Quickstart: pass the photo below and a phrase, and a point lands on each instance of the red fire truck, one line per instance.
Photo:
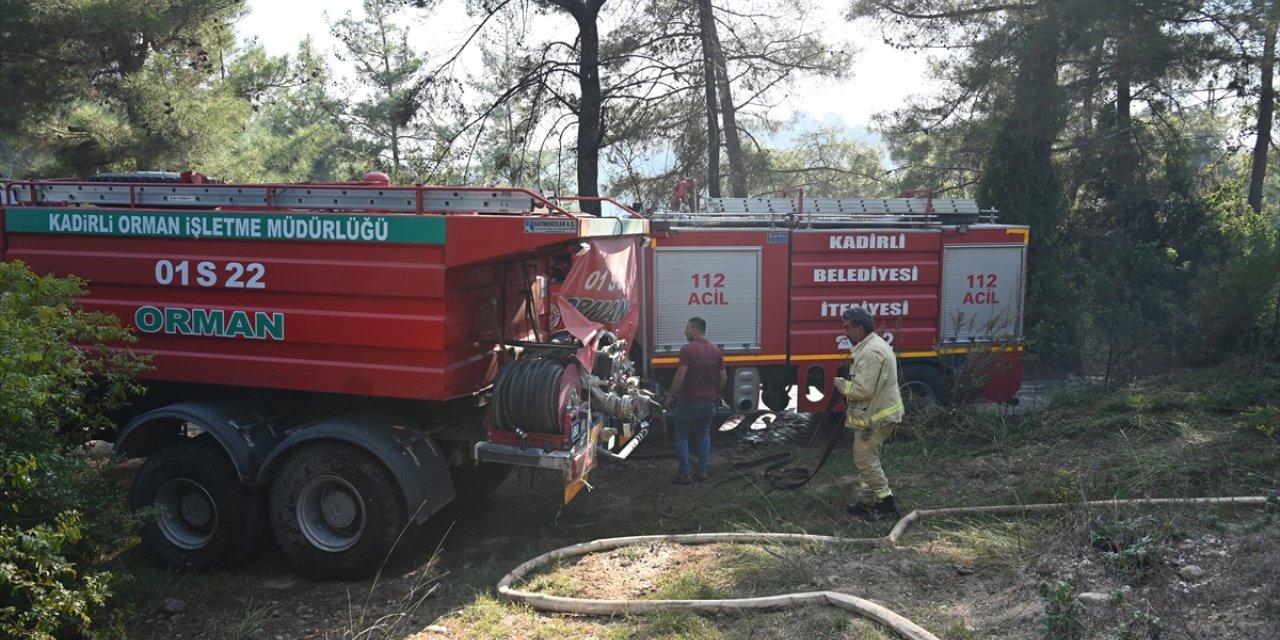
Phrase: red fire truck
(771, 276)
(335, 361)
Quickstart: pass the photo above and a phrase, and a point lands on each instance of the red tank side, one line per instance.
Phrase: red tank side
(411, 309)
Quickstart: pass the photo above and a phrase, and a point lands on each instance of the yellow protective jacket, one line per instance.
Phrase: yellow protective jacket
(871, 392)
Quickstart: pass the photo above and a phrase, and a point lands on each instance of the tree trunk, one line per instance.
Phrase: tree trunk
(707, 21)
(732, 145)
(590, 131)
(395, 149)
(1266, 108)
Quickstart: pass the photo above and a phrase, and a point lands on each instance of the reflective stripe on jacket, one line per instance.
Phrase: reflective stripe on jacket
(871, 392)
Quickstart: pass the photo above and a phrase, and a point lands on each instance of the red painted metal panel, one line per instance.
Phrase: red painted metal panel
(892, 273)
(485, 238)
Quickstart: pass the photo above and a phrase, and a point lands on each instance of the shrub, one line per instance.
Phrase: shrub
(1063, 614)
(59, 375)
(1133, 547)
(1235, 298)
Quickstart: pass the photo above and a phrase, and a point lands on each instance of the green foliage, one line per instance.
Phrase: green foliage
(57, 378)
(1133, 547)
(692, 584)
(1020, 180)
(1088, 131)
(1263, 420)
(42, 593)
(1065, 488)
(680, 625)
(1235, 299)
(117, 84)
(391, 116)
(296, 133)
(1063, 614)
(825, 163)
(58, 373)
(1127, 304)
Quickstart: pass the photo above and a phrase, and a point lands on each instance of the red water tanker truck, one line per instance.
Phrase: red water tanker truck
(335, 361)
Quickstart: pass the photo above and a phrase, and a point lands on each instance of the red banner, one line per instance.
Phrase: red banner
(600, 292)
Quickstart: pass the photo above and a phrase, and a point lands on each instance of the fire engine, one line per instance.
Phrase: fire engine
(944, 279)
(335, 361)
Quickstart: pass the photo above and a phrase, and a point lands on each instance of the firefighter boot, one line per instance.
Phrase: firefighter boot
(887, 508)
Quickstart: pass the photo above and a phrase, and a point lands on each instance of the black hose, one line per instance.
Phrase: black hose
(527, 395)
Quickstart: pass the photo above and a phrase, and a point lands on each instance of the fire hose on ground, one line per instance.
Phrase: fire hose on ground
(864, 608)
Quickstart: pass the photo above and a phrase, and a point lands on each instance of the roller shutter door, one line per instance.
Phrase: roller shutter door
(982, 293)
(720, 285)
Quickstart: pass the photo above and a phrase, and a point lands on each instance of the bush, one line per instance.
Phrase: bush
(1134, 547)
(61, 370)
(1235, 299)
(1063, 614)
(1129, 305)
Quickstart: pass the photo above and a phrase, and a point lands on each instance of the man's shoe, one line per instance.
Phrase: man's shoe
(682, 479)
(700, 477)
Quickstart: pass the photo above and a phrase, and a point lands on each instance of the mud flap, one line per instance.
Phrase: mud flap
(584, 460)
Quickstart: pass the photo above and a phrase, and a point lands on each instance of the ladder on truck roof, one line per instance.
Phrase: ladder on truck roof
(313, 197)
(822, 212)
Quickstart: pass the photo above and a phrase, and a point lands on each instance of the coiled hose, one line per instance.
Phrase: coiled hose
(526, 395)
(865, 608)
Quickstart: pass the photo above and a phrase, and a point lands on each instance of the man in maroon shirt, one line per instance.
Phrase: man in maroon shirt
(699, 379)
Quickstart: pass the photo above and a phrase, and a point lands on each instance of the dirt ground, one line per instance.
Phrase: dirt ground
(1218, 577)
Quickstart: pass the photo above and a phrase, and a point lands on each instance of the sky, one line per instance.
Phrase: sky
(882, 76)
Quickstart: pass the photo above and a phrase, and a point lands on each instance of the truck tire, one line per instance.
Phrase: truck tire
(336, 511)
(923, 386)
(775, 397)
(207, 518)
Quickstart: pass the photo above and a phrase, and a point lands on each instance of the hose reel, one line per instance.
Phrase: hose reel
(536, 395)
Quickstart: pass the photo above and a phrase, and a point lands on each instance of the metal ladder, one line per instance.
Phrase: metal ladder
(853, 206)
(828, 212)
(289, 197)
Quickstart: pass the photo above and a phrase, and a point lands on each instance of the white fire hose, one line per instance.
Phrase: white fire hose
(865, 608)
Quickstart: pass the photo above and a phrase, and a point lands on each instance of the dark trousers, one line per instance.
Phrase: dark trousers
(695, 418)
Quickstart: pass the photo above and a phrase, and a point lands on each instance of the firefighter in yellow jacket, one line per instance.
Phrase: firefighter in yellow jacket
(874, 408)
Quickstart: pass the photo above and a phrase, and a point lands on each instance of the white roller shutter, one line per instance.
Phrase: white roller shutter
(732, 311)
(982, 293)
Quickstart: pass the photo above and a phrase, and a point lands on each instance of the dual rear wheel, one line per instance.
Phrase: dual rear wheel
(332, 508)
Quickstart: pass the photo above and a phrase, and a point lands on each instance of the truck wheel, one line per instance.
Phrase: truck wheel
(775, 397)
(336, 511)
(923, 386)
(207, 519)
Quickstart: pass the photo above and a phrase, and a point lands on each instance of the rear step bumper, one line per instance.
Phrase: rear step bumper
(508, 454)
